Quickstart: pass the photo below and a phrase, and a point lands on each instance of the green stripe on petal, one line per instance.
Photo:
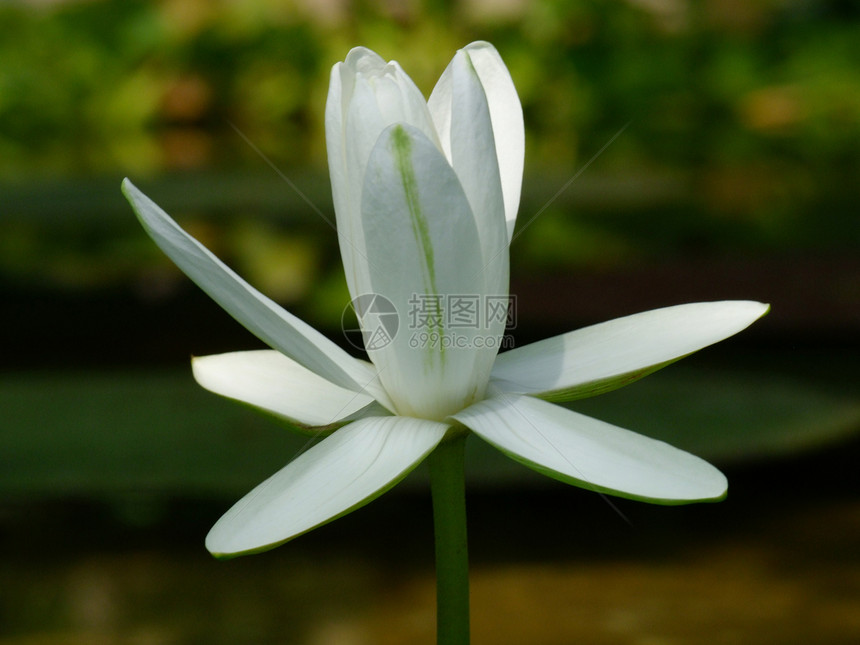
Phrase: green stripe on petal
(424, 247)
(366, 95)
(402, 146)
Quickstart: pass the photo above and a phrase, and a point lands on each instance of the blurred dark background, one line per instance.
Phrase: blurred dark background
(714, 149)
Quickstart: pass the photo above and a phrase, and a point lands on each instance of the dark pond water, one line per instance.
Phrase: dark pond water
(777, 563)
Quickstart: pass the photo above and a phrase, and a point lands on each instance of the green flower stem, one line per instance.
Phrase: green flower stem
(447, 486)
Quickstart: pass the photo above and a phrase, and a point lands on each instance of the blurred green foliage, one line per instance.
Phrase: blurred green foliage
(154, 85)
(741, 138)
(744, 118)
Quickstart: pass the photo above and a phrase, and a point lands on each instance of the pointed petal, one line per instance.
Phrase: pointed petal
(425, 247)
(340, 86)
(366, 95)
(270, 381)
(261, 316)
(506, 114)
(585, 452)
(609, 355)
(472, 154)
(344, 471)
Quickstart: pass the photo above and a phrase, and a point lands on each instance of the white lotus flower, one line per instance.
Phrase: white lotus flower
(426, 195)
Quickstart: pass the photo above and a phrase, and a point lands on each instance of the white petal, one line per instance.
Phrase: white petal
(425, 250)
(346, 470)
(610, 355)
(341, 85)
(366, 95)
(592, 454)
(506, 114)
(261, 316)
(268, 380)
(472, 153)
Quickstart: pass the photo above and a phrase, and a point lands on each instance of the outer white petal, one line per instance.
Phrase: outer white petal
(592, 454)
(425, 249)
(346, 470)
(472, 153)
(268, 380)
(340, 86)
(505, 111)
(366, 95)
(609, 355)
(261, 316)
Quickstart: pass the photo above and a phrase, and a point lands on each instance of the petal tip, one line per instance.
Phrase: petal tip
(225, 542)
(127, 187)
(752, 310)
(480, 44)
